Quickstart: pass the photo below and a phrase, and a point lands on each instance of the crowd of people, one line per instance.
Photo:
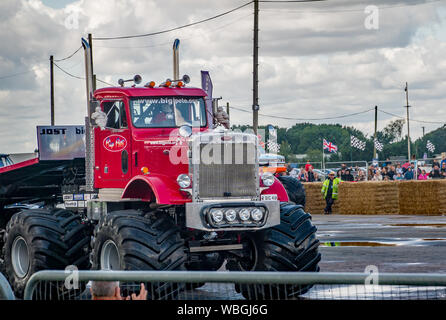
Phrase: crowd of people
(412, 170)
(387, 171)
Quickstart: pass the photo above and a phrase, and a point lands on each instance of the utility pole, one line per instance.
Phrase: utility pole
(52, 88)
(408, 131)
(423, 130)
(255, 98)
(227, 108)
(374, 136)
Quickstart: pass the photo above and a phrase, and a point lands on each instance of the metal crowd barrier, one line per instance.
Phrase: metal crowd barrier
(197, 285)
(6, 292)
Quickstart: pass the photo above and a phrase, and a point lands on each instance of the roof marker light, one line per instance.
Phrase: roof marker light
(150, 84)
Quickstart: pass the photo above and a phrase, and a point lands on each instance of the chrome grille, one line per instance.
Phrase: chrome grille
(232, 171)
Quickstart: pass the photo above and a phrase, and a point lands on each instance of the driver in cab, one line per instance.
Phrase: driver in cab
(165, 116)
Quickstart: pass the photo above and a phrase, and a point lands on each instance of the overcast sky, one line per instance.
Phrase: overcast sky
(317, 60)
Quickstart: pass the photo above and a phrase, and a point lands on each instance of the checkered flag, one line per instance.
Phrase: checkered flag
(358, 144)
(430, 146)
(273, 146)
(378, 145)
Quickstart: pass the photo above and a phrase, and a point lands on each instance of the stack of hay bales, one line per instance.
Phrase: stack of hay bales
(315, 200)
(382, 197)
(441, 196)
(386, 197)
(422, 197)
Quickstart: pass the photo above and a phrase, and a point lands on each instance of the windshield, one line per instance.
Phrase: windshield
(168, 112)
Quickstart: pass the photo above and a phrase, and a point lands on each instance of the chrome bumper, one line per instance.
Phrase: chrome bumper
(196, 214)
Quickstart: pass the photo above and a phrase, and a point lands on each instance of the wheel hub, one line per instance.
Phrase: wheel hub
(20, 257)
(110, 257)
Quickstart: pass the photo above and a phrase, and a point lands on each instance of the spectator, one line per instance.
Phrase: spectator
(391, 172)
(398, 168)
(360, 176)
(384, 172)
(398, 176)
(377, 176)
(443, 170)
(330, 191)
(435, 173)
(435, 163)
(302, 175)
(423, 175)
(409, 175)
(371, 172)
(443, 160)
(109, 290)
(308, 166)
(311, 177)
(339, 174)
(348, 176)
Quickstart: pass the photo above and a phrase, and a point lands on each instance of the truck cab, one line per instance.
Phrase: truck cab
(158, 146)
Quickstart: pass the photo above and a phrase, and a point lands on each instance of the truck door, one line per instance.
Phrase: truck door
(115, 145)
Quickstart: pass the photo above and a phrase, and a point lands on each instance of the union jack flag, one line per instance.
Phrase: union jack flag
(330, 146)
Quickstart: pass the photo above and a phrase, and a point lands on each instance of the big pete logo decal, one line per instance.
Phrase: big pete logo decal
(115, 143)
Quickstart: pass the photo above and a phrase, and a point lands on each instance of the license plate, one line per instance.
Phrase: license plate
(268, 197)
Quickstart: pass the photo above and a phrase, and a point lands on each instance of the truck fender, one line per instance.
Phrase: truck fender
(276, 188)
(154, 188)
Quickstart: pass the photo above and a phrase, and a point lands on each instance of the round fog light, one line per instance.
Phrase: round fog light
(217, 215)
(183, 181)
(244, 214)
(256, 214)
(230, 215)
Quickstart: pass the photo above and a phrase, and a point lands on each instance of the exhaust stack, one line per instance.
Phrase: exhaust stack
(176, 60)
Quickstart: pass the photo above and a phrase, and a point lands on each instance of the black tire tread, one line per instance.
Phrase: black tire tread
(295, 189)
(56, 238)
(145, 242)
(290, 246)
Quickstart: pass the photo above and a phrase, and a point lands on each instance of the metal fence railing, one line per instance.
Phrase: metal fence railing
(197, 285)
(6, 292)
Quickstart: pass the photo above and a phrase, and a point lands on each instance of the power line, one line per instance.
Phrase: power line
(423, 121)
(305, 119)
(81, 78)
(66, 72)
(290, 1)
(176, 28)
(15, 74)
(71, 55)
(347, 10)
(164, 43)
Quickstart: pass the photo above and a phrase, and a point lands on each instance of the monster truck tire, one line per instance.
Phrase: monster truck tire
(295, 189)
(132, 240)
(290, 246)
(42, 239)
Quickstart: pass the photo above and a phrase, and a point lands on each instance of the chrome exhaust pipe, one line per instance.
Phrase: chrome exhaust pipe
(176, 60)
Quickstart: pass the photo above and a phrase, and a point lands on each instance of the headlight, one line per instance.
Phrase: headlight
(268, 179)
(244, 214)
(217, 215)
(256, 214)
(183, 181)
(230, 215)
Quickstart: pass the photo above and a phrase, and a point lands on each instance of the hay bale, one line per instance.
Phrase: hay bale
(382, 197)
(423, 197)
